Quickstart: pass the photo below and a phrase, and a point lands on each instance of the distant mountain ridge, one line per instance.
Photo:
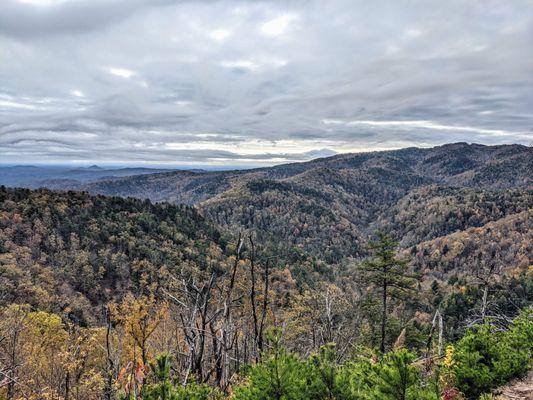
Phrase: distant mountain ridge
(329, 207)
(53, 177)
(457, 164)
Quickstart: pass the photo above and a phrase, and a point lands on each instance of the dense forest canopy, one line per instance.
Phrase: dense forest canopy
(74, 251)
(330, 207)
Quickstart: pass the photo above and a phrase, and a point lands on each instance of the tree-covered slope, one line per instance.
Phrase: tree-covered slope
(95, 289)
(329, 207)
(503, 245)
(429, 212)
(71, 252)
(321, 211)
(459, 164)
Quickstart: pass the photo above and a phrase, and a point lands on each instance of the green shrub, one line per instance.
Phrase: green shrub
(397, 378)
(327, 379)
(486, 358)
(516, 349)
(282, 375)
(162, 387)
(483, 359)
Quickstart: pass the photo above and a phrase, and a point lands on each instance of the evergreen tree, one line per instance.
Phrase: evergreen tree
(396, 378)
(388, 273)
(281, 376)
(163, 389)
(326, 378)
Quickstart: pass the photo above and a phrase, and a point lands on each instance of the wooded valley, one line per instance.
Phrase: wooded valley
(391, 275)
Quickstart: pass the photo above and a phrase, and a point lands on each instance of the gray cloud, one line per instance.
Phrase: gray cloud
(30, 19)
(261, 82)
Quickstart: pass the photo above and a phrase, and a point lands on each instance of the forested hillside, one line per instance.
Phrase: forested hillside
(274, 283)
(329, 207)
(72, 253)
(94, 289)
(445, 210)
(505, 244)
(459, 164)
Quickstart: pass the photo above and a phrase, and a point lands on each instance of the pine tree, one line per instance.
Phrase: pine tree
(280, 376)
(385, 271)
(162, 389)
(396, 378)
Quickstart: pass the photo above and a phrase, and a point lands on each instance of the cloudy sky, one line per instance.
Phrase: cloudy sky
(258, 82)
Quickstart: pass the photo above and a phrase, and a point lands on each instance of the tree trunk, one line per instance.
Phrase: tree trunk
(484, 302)
(108, 389)
(383, 318)
(11, 371)
(67, 386)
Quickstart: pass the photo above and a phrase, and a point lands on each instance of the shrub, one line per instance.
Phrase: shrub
(397, 378)
(163, 388)
(486, 358)
(327, 379)
(282, 375)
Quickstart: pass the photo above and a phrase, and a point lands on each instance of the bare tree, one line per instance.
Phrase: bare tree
(11, 329)
(258, 320)
(205, 315)
(435, 323)
(485, 274)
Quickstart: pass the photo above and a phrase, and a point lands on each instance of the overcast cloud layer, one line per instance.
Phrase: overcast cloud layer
(258, 82)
